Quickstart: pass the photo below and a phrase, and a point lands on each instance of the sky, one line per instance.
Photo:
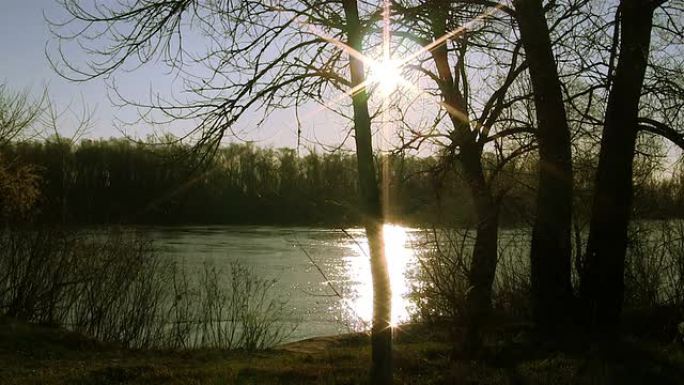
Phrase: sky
(24, 38)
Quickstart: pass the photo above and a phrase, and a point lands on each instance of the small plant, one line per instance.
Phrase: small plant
(654, 270)
(442, 275)
(237, 310)
(113, 286)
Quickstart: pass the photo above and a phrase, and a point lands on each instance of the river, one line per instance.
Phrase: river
(324, 274)
(310, 266)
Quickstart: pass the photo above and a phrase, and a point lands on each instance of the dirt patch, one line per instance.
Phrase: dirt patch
(319, 345)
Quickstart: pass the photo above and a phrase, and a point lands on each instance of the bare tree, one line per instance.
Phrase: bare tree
(576, 70)
(603, 276)
(550, 252)
(501, 118)
(17, 113)
(475, 68)
(381, 335)
(262, 56)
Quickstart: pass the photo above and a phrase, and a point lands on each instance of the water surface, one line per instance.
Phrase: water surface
(294, 256)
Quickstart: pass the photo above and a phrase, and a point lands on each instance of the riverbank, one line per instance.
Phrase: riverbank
(37, 355)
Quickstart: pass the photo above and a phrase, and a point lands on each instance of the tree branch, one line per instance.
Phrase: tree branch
(662, 129)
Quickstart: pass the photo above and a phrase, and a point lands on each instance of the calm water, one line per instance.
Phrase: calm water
(281, 253)
(342, 256)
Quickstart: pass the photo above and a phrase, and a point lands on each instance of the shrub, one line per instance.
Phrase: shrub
(442, 275)
(113, 286)
(654, 269)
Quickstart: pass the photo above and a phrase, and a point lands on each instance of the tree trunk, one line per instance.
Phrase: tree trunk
(603, 277)
(381, 332)
(483, 264)
(485, 252)
(551, 251)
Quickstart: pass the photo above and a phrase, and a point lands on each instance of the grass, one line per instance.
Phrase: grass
(36, 355)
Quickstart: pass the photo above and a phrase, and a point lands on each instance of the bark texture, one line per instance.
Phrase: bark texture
(483, 264)
(602, 288)
(551, 252)
(381, 332)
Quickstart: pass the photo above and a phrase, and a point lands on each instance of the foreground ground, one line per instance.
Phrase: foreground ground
(35, 355)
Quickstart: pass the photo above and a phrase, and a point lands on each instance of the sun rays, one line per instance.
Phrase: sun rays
(385, 72)
(387, 76)
(386, 81)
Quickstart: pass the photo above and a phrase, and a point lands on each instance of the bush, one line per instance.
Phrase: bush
(654, 269)
(654, 272)
(229, 310)
(442, 275)
(114, 287)
(19, 190)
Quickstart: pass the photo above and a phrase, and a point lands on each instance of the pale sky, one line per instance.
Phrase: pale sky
(24, 35)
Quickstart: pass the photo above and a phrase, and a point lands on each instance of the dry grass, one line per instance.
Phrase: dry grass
(115, 287)
(36, 355)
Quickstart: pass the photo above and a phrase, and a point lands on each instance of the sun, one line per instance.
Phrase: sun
(387, 75)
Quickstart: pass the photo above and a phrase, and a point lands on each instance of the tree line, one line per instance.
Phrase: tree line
(117, 181)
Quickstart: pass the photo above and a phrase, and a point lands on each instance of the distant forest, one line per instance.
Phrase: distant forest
(120, 182)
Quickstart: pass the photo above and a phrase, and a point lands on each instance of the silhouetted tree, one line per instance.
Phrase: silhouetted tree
(455, 34)
(550, 250)
(272, 55)
(381, 333)
(603, 279)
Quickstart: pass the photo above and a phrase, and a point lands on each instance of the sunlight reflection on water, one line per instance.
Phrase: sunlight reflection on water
(281, 253)
(400, 258)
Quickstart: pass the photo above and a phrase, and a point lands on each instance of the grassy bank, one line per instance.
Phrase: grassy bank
(36, 355)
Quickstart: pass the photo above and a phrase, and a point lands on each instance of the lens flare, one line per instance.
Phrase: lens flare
(387, 75)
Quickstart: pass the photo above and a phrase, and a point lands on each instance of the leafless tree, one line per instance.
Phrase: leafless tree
(17, 113)
(262, 56)
(635, 24)
(465, 57)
